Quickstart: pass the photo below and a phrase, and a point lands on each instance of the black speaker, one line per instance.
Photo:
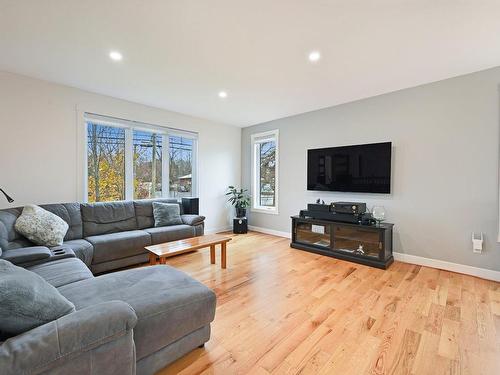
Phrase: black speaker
(240, 225)
(190, 206)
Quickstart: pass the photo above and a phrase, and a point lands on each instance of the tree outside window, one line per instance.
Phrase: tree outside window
(106, 163)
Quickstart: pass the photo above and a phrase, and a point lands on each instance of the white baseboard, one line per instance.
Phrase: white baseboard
(217, 230)
(448, 266)
(270, 231)
(413, 259)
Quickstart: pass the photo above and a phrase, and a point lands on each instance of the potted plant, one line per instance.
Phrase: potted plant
(239, 199)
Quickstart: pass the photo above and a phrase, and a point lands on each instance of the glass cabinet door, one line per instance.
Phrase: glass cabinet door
(357, 241)
(313, 234)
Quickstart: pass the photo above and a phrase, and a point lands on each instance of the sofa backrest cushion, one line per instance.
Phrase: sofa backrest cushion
(108, 217)
(70, 213)
(144, 211)
(9, 238)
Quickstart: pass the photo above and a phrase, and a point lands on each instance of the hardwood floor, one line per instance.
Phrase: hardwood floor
(285, 311)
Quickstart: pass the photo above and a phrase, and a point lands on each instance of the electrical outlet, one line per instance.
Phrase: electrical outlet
(477, 242)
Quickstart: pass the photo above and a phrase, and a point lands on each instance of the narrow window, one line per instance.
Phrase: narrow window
(265, 147)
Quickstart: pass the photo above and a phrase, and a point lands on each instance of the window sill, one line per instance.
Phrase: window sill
(273, 211)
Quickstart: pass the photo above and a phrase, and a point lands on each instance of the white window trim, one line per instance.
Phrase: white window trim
(255, 139)
(82, 149)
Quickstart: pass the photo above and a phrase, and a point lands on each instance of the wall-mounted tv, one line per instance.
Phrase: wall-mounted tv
(358, 169)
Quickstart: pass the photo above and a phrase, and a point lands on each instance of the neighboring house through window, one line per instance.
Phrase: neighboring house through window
(265, 160)
(126, 160)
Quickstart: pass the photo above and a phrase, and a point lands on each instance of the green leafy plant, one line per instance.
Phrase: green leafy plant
(238, 198)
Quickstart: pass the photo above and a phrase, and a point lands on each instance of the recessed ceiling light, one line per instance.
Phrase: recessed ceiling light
(222, 94)
(314, 56)
(115, 55)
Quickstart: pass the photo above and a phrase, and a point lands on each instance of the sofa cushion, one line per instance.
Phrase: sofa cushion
(144, 211)
(71, 214)
(119, 245)
(170, 233)
(116, 264)
(169, 304)
(83, 250)
(108, 217)
(166, 214)
(28, 301)
(41, 227)
(26, 254)
(63, 271)
(192, 219)
(9, 237)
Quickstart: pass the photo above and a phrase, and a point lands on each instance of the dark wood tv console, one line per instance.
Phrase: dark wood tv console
(370, 245)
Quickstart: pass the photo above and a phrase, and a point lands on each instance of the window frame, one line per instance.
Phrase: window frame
(129, 127)
(255, 140)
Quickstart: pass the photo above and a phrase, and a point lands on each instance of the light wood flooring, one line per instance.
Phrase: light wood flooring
(286, 311)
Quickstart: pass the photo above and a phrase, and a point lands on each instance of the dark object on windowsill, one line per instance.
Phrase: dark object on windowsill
(9, 199)
(191, 206)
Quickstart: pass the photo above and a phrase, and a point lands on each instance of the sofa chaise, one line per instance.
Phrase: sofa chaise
(105, 236)
(133, 321)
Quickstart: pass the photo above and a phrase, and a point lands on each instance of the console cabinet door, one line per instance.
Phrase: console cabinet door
(313, 234)
(357, 241)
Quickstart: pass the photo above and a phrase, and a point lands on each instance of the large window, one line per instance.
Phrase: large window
(125, 160)
(265, 172)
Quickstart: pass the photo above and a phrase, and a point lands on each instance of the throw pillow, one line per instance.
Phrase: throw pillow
(28, 301)
(41, 226)
(166, 214)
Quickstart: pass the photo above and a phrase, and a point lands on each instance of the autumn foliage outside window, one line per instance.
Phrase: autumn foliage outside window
(105, 163)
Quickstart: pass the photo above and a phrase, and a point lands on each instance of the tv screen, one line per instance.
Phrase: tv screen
(357, 169)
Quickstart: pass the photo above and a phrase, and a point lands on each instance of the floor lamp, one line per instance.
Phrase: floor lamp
(9, 199)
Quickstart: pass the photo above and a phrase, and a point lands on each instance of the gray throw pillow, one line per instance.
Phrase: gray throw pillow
(27, 301)
(41, 226)
(166, 214)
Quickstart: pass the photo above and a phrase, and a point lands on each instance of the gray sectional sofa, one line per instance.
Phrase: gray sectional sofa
(135, 321)
(105, 236)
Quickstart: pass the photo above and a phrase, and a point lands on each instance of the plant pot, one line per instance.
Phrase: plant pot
(241, 212)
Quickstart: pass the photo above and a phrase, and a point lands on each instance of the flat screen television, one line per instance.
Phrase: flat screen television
(358, 169)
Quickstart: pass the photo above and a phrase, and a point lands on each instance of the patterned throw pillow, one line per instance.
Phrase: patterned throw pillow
(166, 214)
(41, 226)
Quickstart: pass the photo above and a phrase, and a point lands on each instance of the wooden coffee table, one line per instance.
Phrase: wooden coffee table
(165, 250)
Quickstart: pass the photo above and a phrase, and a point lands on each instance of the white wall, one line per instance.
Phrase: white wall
(445, 164)
(40, 144)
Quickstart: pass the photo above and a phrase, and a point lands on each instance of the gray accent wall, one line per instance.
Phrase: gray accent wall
(445, 139)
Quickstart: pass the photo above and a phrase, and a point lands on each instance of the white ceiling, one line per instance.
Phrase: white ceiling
(179, 54)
